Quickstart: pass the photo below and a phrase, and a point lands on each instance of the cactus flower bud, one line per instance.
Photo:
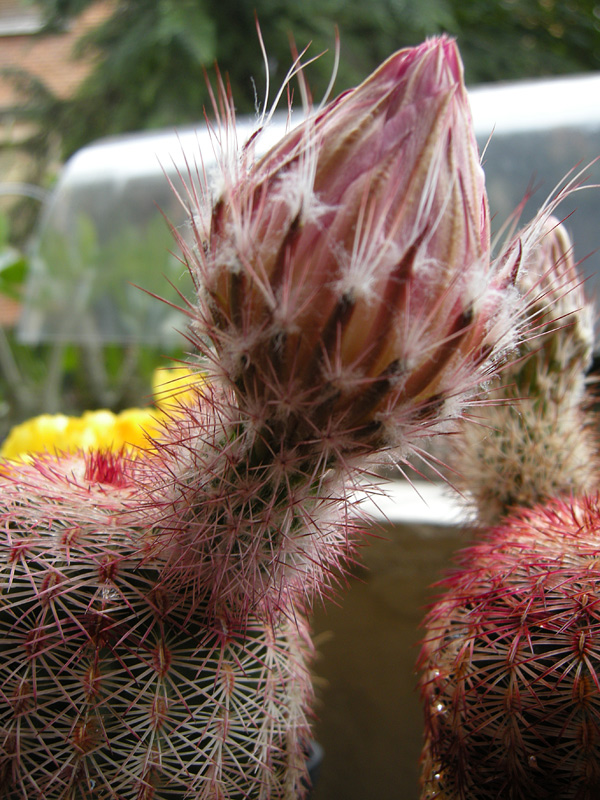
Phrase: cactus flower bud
(347, 305)
(347, 277)
(537, 440)
(560, 307)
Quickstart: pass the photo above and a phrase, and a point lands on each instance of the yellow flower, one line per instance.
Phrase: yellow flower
(46, 432)
(174, 386)
(134, 425)
(103, 429)
(94, 430)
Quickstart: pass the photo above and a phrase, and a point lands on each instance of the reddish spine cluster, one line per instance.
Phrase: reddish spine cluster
(511, 663)
(510, 660)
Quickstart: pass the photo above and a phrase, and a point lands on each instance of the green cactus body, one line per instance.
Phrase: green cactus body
(511, 660)
(115, 687)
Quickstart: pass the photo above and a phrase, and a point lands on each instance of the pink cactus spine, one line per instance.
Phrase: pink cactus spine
(509, 672)
(151, 628)
(113, 686)
(510, 663)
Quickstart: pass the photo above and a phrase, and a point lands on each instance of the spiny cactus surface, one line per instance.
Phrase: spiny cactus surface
(347, 291)
(510, 669)
(535, 437)
(112, 686)
(346, 305)
(511, 663)
(244, 523)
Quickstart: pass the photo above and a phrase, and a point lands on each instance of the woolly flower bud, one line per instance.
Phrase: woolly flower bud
(536, 441)
(564, 317)
(346, 274)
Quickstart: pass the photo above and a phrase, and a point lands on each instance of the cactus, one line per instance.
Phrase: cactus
(509, 674)
(112, 685)
(341, 312)
(152, 633)
(536, 438)
(512, 701)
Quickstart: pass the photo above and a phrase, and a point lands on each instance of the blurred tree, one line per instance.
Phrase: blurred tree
(41, 143)
(152, 54)
(506, 39)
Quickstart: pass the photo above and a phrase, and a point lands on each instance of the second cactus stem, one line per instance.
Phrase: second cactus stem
(535, 438)
(509, 664)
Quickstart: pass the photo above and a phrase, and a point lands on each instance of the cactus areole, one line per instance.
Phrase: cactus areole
(511, 663)
(152, 641)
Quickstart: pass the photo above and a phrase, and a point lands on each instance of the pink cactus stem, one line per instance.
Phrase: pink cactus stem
(114, 687)
(510, 662)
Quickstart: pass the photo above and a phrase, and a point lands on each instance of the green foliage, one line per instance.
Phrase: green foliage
(93, 287)
(154, 56)
(13, 264)
(38, 116)
(70, 377)
(507, 39)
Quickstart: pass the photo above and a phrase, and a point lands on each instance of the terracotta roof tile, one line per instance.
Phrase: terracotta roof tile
(49, 57)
